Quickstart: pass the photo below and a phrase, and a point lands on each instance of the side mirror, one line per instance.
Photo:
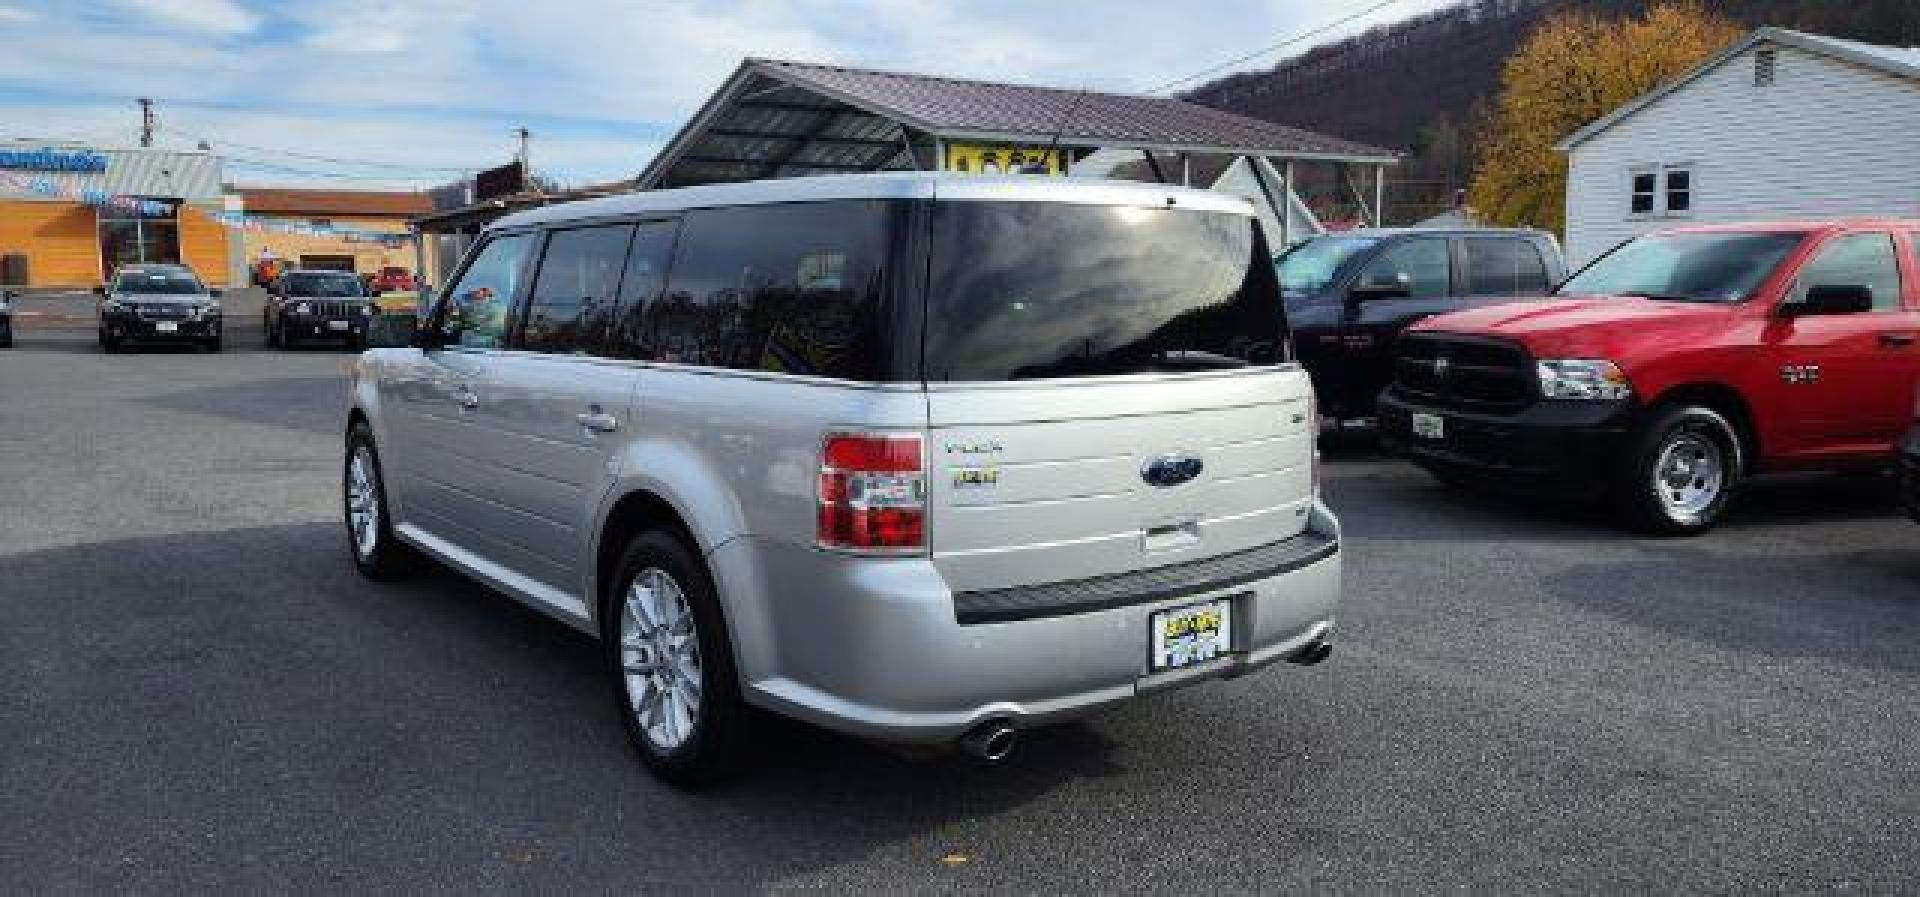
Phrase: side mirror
(1832, 299)
(1382, 286)
(100, 291)
(375, 292)
(215, 293)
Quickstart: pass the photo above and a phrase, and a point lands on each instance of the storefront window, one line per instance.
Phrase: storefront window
(148, 232)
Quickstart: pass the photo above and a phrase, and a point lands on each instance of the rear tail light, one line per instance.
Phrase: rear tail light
(873, 493)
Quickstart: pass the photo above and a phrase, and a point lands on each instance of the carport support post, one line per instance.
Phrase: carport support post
(419, 268)
(1186, 169)
(1380, 195)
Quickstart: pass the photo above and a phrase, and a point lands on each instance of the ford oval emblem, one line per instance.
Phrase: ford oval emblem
(1171, 470)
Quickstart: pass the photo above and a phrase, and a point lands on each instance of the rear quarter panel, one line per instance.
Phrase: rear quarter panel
(737, 455)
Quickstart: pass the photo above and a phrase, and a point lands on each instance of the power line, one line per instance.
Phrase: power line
(1314, 32)
(245, 162)
(336, 160)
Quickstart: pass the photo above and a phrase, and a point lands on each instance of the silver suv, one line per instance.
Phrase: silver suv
(916, 457)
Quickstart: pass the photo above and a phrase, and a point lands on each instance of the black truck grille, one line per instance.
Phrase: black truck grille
(334, 308)
(1464, 372)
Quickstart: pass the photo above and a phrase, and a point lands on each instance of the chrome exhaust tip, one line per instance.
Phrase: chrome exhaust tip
(1311, 654)
(991, 741)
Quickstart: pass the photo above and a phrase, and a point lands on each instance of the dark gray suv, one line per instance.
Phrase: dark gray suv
(1348, 296)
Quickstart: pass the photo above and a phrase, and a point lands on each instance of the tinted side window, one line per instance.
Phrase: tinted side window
(1855, 260)
(640, 288)
(793, 288)
(1424, 265)
(476, 313)
(1504, 267)
(578, 278)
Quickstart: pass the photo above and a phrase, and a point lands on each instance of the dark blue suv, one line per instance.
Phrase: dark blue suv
(1349, 295)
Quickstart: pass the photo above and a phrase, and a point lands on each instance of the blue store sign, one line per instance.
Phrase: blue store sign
(53, 160)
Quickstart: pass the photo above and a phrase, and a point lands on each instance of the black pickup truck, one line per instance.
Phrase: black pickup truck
(1349, 295)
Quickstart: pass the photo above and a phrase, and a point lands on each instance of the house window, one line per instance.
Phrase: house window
(1763, 64)
(1662, 190)
(1645, 186)
(1679, 190)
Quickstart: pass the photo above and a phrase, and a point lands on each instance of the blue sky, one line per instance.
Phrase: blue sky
(376, 93)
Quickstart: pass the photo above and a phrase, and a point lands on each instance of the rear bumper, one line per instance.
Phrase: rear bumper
(877, 648)
(1566, 448)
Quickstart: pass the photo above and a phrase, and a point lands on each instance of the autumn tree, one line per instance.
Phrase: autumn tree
(1573, 70)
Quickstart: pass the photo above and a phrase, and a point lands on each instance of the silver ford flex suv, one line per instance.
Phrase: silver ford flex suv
(921, 458)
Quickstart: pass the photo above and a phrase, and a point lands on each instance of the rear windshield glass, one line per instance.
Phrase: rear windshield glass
(158, 283)
(1027, 290)
(322, 285)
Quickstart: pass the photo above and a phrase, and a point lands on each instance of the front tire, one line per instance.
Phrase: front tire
(1683, 472)
(376, 553)
(672, 662)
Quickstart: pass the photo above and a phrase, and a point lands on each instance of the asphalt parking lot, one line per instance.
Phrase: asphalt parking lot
(206, 697)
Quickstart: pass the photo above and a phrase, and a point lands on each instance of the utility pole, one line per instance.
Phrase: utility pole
(146, 122)
(526, 165)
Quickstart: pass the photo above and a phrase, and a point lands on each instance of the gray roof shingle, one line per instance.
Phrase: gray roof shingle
(963, 107)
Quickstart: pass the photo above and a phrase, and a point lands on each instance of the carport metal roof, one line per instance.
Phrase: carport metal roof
(781, 119)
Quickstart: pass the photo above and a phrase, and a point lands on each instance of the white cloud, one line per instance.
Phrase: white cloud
(14, 15)
(223, 17)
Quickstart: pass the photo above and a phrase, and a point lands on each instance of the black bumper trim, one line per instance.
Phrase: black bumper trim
(1097, 593)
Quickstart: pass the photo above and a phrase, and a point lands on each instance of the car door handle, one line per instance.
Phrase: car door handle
(467, 399)
(1896, 340)
(598, 421)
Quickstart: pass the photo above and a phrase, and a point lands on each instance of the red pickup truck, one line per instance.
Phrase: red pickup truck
(1669, 369)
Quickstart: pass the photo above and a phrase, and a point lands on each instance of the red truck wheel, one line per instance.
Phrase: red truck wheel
(1684, 469)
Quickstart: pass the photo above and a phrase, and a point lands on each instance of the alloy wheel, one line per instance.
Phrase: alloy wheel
(660, 658)
(363, 502)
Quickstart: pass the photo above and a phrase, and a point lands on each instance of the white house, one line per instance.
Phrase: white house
(1782, 125)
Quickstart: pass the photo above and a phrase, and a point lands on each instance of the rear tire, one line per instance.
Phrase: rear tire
(273, 337)
(672, 664)
(376, 553)
(282, 337)
(111, 344)
(212, 345)
(1685, 466)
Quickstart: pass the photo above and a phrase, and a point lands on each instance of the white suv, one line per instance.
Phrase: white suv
(922, 458)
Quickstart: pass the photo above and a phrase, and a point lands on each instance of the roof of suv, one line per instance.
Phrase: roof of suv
(886, 185)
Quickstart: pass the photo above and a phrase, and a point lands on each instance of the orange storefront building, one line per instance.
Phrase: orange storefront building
(70, 213)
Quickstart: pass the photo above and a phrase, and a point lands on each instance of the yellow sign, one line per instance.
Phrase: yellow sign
(990, 159)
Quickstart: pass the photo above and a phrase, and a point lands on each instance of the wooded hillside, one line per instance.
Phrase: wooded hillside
(1421, 85)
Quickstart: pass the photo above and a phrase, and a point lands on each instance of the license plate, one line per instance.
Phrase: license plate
(166, 326)
(1184, 636)
(1429, 426)
(339, 325)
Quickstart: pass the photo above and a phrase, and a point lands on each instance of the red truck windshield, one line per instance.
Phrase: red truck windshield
(1692, 267)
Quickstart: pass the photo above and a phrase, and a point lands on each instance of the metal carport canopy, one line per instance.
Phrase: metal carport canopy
(779, 119)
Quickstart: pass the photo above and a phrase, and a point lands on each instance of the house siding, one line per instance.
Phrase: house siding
(1828, 139)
